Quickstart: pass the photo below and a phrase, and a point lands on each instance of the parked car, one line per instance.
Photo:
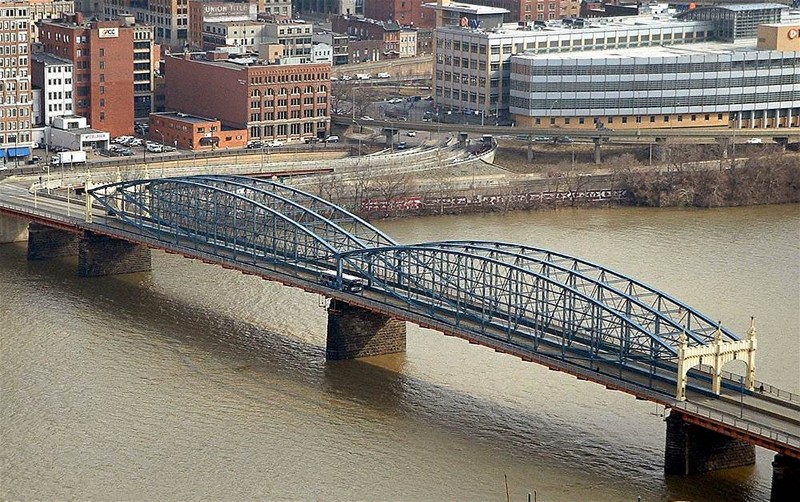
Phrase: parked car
(394, 101)
(311, 140)
(367, 118)
(332, 139)
(753, 141)
(274, 143)
(411, 134)
(562, 139)
(168, 148)
(383, 74)
(402, 145)
(155, 148)
(254, 144)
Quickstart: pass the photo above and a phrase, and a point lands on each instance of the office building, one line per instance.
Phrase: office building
(169, 18)
(102, 53)
(710, 84)
(41, 10)
(286, 102)
(202, 14)
(474, 66)
(53, 76)
(16, 103)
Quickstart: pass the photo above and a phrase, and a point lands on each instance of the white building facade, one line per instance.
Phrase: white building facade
(473, 67)
(54, 76)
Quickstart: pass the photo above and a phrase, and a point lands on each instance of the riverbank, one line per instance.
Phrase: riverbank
(680, 176)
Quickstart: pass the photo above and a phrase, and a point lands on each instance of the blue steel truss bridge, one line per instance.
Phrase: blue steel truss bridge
(560, 311)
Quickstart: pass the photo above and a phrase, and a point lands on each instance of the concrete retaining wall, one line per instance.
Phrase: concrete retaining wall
(13, 229)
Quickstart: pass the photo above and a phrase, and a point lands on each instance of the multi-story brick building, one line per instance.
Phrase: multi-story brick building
(404, 12)
(272, 102)
(146, 54)
(201, 13)
(170, 18)
(15, 81)
(48, 9)
(102, 55)
(195, 133)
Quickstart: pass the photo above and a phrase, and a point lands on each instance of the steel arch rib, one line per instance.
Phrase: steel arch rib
(357, 243)
(389, 252)
(190, 182)
(375, 236)
(509, 250)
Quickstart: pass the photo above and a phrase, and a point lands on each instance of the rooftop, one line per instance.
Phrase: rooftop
(739, 7)
(467, 8)
(592, 25)
(184, 117)
(703, 48)
(49, 59)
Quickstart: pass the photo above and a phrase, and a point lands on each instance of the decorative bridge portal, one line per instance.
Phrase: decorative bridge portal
(560, 311)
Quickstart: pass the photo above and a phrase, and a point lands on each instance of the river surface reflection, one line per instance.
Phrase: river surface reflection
(198, 382)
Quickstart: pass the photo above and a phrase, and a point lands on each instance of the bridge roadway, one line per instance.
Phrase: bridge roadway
(711, 133)
(770, 419)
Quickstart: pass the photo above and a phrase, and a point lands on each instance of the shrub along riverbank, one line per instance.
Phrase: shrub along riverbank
(623, 181)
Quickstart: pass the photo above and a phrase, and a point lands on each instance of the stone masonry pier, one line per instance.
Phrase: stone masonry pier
(99, 255)
(47, 242)
(691, 449)
(354, 332)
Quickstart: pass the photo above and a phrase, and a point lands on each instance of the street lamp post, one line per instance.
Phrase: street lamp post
(741, 399)
(162, 152)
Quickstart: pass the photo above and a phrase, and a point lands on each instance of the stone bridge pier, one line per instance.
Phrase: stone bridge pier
(98, 255)
(785, 479)
(691, 449)
(355, 332)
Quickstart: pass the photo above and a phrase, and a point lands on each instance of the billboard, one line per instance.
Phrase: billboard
(229, 11)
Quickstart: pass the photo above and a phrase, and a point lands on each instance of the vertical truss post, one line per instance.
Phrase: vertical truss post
(751, 355)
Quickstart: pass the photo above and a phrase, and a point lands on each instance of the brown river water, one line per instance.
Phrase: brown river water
(194, 382)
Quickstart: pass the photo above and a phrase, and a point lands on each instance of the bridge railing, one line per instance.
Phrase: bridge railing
(768, 389)
(739, 423)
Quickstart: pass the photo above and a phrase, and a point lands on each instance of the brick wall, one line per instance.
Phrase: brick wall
(355, 332)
